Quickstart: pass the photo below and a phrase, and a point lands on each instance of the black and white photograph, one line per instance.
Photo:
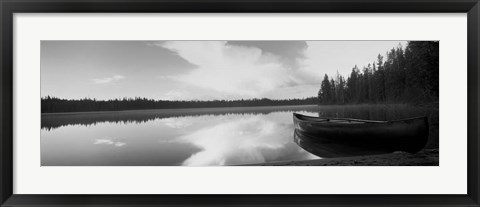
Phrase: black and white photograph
(239, 103)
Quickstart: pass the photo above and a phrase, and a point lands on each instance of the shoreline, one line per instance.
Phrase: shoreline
(236, 108)
(233, 108)
(425, 157)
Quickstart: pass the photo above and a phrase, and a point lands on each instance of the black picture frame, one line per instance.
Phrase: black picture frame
(10, 7)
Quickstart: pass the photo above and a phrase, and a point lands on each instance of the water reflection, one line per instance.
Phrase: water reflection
(109, 142)
(53, 121)
(193, 141)
(186, 137)
(244, 140)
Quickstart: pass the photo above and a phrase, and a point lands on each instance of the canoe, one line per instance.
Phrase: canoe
(345, 136)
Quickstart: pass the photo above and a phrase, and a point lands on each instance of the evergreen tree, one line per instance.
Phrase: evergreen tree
(408, 75)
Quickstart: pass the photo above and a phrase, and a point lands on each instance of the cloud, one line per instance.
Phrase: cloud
(175, 95)
(194, 93)
(291, 52)
(236, 71)
(108, 79)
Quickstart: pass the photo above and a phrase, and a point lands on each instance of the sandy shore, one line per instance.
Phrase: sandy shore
(426, 157)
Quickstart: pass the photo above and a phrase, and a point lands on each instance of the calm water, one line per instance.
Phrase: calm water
(191, 137)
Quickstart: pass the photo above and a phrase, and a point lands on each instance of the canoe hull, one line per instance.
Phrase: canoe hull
(333, 149)
(408, 135)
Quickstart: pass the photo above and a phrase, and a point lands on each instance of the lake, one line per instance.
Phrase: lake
(195, 137)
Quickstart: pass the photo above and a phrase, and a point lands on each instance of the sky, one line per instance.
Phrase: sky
(199, 70)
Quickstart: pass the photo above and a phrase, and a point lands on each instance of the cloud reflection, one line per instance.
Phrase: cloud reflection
(241, 141)
(177, 123)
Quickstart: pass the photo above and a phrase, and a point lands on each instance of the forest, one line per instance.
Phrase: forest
(55, 105)
(405, 75)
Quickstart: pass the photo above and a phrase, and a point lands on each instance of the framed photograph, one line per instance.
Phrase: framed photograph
(239, 103)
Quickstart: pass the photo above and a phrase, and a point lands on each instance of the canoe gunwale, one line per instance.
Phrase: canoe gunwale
(304, 118)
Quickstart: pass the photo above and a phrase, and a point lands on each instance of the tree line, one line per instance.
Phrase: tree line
(409, 75)
(54, 105)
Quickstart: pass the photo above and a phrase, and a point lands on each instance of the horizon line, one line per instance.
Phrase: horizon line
(152, 99)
